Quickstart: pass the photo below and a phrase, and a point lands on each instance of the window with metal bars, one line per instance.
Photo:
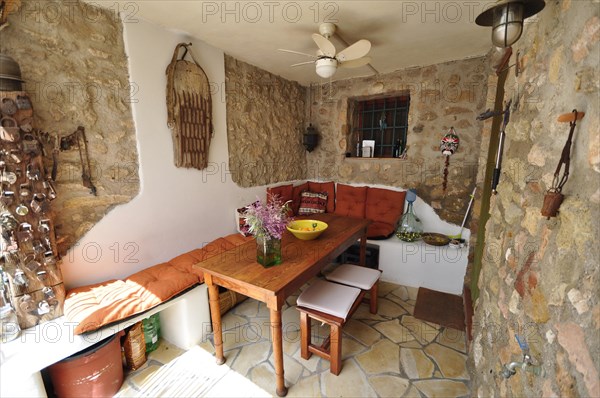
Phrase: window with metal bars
(383, 120)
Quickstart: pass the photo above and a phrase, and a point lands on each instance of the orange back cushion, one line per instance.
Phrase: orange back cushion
(350, 201)
(384, 205)
(283, 192)
(328, 187)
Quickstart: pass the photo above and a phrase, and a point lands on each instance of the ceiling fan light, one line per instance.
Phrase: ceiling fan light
(326, 67)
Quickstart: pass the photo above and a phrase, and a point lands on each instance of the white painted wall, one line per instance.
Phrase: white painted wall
(177, 209)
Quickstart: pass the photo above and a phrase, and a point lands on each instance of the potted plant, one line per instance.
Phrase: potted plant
(267, 222)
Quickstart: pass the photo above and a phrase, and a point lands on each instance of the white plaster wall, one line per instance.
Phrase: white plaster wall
(177, 209)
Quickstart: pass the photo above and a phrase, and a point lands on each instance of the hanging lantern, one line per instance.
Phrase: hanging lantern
(448, 146)
(310, 138)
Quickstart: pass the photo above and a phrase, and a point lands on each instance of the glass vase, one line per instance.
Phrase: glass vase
(410, 228)
(268, 251)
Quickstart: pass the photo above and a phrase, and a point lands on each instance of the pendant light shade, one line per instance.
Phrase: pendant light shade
(506, 19)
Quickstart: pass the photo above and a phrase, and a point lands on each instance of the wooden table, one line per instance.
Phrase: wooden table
(237, 269)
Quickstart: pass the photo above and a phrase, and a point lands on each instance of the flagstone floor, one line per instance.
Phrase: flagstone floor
(391, 354)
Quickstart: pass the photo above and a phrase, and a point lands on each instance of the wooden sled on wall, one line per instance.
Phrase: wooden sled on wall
(189, 108)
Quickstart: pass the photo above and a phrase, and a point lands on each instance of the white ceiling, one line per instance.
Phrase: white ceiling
(403, 33)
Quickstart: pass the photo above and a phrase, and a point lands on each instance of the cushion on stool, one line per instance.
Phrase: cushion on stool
(330, 298)
(354, 275)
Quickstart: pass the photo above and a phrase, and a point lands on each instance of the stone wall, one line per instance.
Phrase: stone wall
(73, 60)
(265, 122)
(540, 277)
(441, 96)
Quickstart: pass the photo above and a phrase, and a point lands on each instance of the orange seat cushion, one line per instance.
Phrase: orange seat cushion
(101, 304)
(329, 188)
(380, 230)
(94, 306)
(384, 207)
(159, 283)
(350, 201)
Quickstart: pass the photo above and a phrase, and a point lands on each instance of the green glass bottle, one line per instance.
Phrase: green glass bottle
(410, 228)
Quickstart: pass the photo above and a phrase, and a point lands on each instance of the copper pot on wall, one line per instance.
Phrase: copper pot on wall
(10, 74)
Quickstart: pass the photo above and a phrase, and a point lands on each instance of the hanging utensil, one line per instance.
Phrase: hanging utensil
(78, 138)
(554, 197)
(498, 167)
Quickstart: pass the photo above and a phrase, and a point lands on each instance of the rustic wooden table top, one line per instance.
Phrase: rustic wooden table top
(237, 268)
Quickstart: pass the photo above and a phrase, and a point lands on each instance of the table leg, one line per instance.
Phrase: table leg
(215, 314)
(276, 334)
(363, 250)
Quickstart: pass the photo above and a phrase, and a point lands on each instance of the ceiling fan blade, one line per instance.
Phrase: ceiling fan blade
(355, 51)
(326, 47)
(297, 52)
(355, 63)
(303, 63)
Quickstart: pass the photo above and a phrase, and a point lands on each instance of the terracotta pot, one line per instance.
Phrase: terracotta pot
(94, 372)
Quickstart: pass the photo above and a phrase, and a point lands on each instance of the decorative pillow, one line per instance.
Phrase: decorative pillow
(241, 226)
(328, 187)
(312, 202)
(296, 192)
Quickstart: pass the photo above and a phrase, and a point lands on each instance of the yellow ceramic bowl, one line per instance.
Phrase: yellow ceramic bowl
(307, 229)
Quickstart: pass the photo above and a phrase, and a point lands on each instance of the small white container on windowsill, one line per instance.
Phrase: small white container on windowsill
(368, 149)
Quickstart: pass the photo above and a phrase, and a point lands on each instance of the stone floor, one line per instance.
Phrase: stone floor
(390, 354)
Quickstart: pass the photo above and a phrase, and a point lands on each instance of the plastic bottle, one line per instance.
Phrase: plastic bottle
(150, 333)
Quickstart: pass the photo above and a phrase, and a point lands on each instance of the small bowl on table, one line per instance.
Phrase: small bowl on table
(307, 229)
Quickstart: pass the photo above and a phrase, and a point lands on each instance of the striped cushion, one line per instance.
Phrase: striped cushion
(312, 202)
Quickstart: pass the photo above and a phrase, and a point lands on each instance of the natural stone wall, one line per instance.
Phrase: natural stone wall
(540, 277)
(441, 96)
(265, 122)
(73, 60)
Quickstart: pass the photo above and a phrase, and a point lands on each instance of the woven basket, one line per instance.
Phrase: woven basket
(228, 299)
(135, 347)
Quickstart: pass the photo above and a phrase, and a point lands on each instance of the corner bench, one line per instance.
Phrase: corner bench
(413, 264)
(173, 289)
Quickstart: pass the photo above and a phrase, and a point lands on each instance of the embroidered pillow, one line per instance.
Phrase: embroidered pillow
(312, 203)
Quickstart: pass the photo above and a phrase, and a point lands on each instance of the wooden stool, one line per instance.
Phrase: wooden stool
(361, 277)
(332, 304)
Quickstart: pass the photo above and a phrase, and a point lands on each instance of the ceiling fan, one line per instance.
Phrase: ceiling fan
(327, 59)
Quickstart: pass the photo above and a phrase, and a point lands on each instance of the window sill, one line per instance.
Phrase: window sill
(356, 158)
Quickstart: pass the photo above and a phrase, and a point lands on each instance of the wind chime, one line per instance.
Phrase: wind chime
(448, 146)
